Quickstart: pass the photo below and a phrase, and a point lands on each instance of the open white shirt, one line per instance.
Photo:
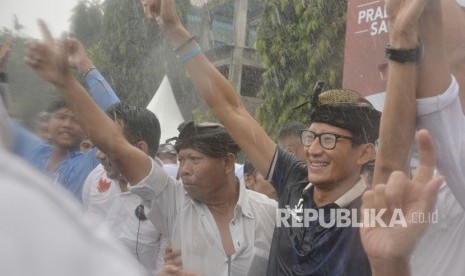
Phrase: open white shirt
(192, 227)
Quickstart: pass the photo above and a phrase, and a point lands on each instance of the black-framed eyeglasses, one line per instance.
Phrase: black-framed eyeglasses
(327, 140)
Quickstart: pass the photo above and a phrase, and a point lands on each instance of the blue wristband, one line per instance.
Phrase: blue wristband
(192, 53)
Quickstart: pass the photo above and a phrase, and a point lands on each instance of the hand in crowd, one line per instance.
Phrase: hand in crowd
(173, 264)
(164, 11)
(172, 270)
(173, 257)
(77, 56)
(415, 196)
(404, 16)
(4, 53)
(49, 57)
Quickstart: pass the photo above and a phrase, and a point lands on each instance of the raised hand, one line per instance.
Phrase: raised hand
(412, 197)
(77, 56)
(49, 57)
(164, 12)
(404, 16)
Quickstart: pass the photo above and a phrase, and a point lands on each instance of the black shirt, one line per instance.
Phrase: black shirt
(311, 250)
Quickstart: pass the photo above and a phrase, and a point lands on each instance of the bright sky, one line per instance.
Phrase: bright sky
(55, 12)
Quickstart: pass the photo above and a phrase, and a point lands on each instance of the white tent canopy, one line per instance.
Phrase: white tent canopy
(164, 105)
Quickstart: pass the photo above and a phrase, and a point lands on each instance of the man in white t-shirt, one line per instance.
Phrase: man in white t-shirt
(423, 80)
(107, 200)
(168, 155)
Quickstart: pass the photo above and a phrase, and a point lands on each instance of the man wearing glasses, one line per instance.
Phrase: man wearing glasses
(339, 143)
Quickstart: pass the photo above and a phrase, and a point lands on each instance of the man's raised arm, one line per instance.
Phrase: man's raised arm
(50, 60)
(214, 88)
(438, 103)
(99, 88)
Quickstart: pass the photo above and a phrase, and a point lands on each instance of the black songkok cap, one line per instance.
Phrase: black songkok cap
(208, 138)
(347, 109)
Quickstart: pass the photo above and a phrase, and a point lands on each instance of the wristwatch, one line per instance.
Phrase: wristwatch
(405, 55)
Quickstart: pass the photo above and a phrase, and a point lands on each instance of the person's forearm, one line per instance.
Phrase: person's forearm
(397, 127)
(434, 72)
(92, 118)
(134, 164)
(225, 103)
(100, 90)
(399, 267)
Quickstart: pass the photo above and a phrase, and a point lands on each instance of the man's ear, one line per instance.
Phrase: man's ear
(230, 163)
(367, 153)
(142, 145)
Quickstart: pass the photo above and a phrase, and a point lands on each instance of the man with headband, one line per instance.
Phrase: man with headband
(339, 144)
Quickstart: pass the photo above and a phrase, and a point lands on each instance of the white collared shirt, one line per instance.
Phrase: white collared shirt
(192, 227)
(104, 203)
(357, 190)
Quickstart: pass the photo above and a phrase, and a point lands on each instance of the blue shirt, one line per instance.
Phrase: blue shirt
(312, 250)
(74, 169)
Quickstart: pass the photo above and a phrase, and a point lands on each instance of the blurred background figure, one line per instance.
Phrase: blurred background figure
(41, 127)
(256, 182)
(168, 155)
(86, 144)
(289, 139)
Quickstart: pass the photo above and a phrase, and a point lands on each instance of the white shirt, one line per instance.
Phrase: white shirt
(43, 231)
(442, 249)
(442, 116)
(171, 169)
(106, 204)
(193, 229)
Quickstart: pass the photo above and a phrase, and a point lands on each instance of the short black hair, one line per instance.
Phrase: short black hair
(56, 104)
(248, 168)
(138, 123)
(290, 128)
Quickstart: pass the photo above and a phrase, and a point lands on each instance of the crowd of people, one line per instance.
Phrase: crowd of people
(105, 197)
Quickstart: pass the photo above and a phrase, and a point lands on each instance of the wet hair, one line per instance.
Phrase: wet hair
(290, 128)
(167, 152)
(210, 139)
(138, 123)
(55, 105)
(248, 168)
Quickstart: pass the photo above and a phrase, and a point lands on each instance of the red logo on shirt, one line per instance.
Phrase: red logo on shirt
(103, 185)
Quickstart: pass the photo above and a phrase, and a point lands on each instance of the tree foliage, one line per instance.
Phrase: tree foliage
(129, 50)
(300, 42)
(30, 94)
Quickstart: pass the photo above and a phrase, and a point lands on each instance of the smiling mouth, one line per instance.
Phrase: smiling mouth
(319, 164)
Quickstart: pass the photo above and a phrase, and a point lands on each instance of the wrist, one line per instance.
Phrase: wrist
(65, 82)
(390, 266)
(402, 38)
(84, 66)
(403, 55)
(177, 36)
(87, 71)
